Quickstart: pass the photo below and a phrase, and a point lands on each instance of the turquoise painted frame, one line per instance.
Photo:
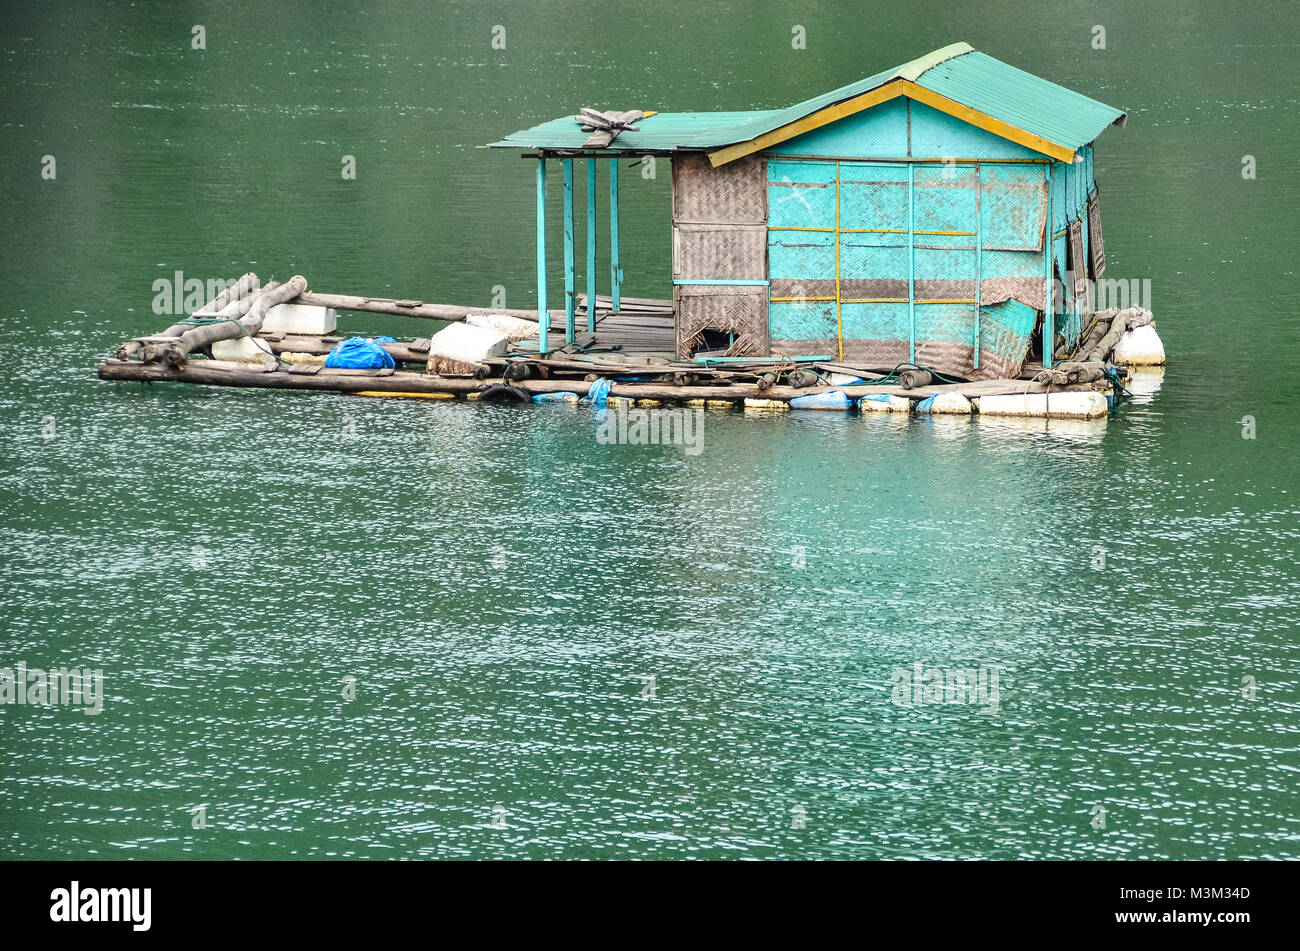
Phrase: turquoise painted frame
(570, 298)
(615, 269)
(591, 245)
(543, 315)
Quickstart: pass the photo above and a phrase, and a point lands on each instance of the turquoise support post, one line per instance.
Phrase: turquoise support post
(543, 317)
(570, 300)
(979, 260)
(911, 262)
(615, 270)
(591, 245)
(1049, 316)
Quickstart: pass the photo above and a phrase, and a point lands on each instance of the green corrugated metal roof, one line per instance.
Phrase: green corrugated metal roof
(664, 131)
(1020, 99)
(958, 72)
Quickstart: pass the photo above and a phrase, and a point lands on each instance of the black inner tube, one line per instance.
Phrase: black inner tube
(504, 393)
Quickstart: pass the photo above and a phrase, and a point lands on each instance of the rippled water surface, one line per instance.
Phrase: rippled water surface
(503, 587)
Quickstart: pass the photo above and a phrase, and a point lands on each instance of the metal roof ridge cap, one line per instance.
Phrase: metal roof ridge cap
(923, 64)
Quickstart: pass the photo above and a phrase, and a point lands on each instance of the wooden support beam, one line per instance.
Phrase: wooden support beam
(404, 308)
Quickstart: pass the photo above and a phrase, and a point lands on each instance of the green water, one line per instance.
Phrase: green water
(502, 586)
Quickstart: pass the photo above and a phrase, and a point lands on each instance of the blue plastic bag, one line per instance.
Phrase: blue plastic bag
(834, 399)
(598, 392)
(361, 353)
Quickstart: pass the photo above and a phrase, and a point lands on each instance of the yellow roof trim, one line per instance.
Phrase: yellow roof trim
(891, 90)
(987, 122)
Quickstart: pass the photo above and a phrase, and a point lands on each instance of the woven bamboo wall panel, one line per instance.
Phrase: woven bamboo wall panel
(738, 310)
(735, 193)
(1095, 245)
(719, 252)
(1078, 265)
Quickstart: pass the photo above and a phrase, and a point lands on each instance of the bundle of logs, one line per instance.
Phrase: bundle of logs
(1108, 326)
(241, 309)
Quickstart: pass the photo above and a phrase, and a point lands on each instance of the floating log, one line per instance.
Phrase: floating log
(1068, 372)
(196, 338)
(405, 308)
(240, 289)
(319, 346)
(222, 373)
(246, 287)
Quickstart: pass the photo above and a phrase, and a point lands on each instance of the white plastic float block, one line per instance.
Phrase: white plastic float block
(884, 403)
(1141, 347)
(515, 328)
(775, 406)
(953, 404)
(459, 348)
(301, 319)
(1069, 405)
(241, 349)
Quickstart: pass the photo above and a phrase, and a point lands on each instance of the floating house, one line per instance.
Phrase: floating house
(922, 240)
(916, 216)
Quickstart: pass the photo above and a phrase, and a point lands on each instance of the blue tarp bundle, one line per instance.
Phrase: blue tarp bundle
(835, 399)
(598, 392)
(361, 353)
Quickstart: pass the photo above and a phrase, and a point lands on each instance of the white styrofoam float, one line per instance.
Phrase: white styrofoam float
(1072, 404)
(1140, 347)
(515, 328)
(241, 349)
(300, 319)
(459, 348)
(952, 404)
(884, 403)
(775, 406)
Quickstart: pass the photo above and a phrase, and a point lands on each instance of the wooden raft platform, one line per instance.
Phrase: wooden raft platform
(633, 349)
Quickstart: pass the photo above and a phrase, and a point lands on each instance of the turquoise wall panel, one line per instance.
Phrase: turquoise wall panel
(936, 134)
(873, 196)
(948, 265)
(800, 255)
(1005, 329)
(802, 321)
(801, 194)
(945, 197)
(1025, 264)
(945, 323)
(1013, 206)
(875, 321)
(873, 257)
(879, 132)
